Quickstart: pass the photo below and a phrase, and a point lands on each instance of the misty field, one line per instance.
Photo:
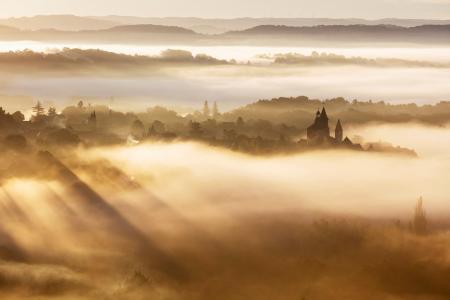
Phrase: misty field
(188, 221)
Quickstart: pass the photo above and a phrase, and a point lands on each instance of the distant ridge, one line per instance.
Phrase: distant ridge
(282, 29)
(200, 25)
(237, 24)
(149, 28)
(280, 35)
(439, 34)
(58, 22)
(8, 29)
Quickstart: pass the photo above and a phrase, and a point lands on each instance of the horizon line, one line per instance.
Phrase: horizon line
(217, 18)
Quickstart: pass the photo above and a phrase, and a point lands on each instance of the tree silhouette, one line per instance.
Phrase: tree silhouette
(206, 111)
(38, 109)
(18, 116)
(51, 112)
(92, 121)
(196, 130)
(420, 223)
(38, 113)
(137, 129)
(157, 128)
(240, 122)
(215, 113)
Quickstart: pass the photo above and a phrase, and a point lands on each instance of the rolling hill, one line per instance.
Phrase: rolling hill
(216, 26)
(200, 25)
(58, 22)
(349, 33)
(266, 35)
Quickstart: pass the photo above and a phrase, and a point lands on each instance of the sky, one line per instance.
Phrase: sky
(369, 9)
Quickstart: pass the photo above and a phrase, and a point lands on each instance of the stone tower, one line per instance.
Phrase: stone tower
(319, 131)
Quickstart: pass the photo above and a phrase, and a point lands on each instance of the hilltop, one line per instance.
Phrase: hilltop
(259, 35)
(201, 25)
(350, 33)
(79, 61)
(149, 28)
(296, 111)
(58, 22)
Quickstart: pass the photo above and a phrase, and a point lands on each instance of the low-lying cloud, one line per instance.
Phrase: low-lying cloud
(96, 61)
(188, 221)
(331, 59)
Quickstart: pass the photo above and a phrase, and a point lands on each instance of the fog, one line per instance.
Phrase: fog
(187, 221)
(231, 86)
(244, 53)
(346, 182)
(126, 88)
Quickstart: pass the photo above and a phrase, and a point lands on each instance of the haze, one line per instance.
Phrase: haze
(191, 211)
(280, 156)
(230, 85)
(435, 9)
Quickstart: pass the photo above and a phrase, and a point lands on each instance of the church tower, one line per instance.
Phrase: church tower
(338, 132)
(319, 131)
